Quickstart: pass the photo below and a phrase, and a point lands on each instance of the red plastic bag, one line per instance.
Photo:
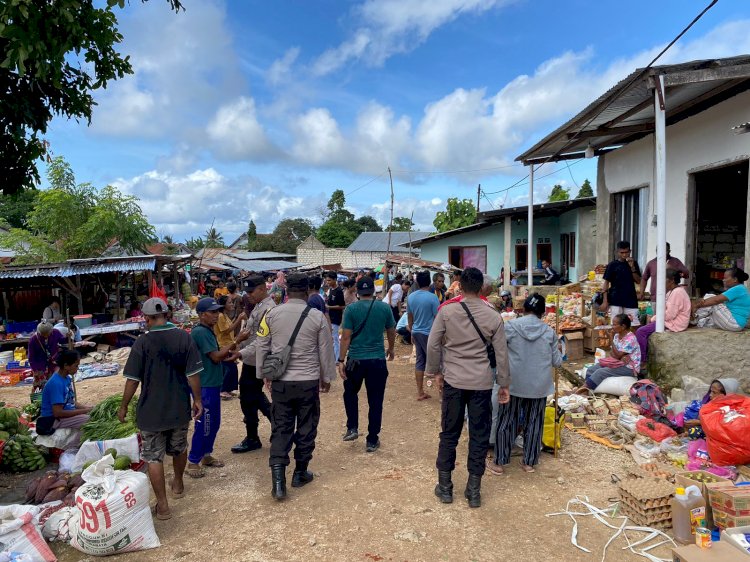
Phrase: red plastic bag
(726, 423)
(654, 429)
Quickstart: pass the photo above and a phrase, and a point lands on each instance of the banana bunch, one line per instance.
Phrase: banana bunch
(20, 454)
(9, 421)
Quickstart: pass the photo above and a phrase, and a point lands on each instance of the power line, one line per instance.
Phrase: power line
(523, 181)
(514, 165)
(367, 183)
(571, 174)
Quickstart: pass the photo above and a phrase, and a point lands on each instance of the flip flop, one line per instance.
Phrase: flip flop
(195, 472)
(423, 397)
(526, 468)
(161, 516)
(212, 462)
(495, 469)
(175, 495)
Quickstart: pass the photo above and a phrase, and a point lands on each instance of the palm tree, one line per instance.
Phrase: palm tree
(167, 239)
(214, 239)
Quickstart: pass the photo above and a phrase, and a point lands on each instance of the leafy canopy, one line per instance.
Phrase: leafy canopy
(458, 213)
(15, 208)
(214, 239)
(340, 228)
(285, 238)
(559, 193)
(53, 56)
(401, 224)
(73, 221)
(586, 190)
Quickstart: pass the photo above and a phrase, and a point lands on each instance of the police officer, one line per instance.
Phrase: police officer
(252, 397)
(310, 370)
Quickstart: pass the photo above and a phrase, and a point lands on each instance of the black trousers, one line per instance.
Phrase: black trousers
(455, 402)
(374, 373)
(252, 400)
(295, 415)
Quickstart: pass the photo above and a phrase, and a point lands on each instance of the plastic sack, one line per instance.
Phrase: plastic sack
(599, 354)
(617, 386)
(113, 515)
(574, 403)
(67, 460)
(692, 410)
(94, 450)
(56, 521)
(654, 430)
(677, 445)
(647, 448)
(19, 533)
(627, 420)
(726, 423)
(549, 434)
(694, 388)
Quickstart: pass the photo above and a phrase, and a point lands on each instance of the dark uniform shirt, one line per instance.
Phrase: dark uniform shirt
(622, 287)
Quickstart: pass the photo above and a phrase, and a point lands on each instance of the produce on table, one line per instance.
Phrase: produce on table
(20, 453)
(54, 486)
(32, 410)
(103, 423)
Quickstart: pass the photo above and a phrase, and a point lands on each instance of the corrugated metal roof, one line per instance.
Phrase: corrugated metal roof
(378, 241)
(626, 111)
(78, 267)
(241, 255)
(261, 265)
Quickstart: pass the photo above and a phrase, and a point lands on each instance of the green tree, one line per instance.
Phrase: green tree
(167, 239)
(586, 190)
(458, 213)
(401, 224)
(340, 228)
(195, 244)
(73, 221)
(285, 238)
(214, 239)
(252, 235)
(15, 208)
(369, 224)
(53, 56)
(559, 193)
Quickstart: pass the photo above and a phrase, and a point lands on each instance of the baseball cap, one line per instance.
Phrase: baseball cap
(255, 281)
(365, 286)
(207, 304)
(154, 306)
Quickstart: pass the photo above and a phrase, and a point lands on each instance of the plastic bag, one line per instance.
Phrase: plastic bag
(692, 410)
(655, 430)
(674, 445)
(697, 450)
(550, 432)
(67, 460)
(726, 423)
(647, 448)
(113, 511)
(617, 386)
(93, 450)
(628, 420)
(19, 533)
(695, 389)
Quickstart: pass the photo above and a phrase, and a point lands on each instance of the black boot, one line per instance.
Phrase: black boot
(248, 444)
(444, 488)
(472, 492)
(301, 475)
(278, 476)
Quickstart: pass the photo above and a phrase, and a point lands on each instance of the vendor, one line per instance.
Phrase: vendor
(551, 277)
(59, 405)
(135, 310)
(718, 388)
(52, 313)
(44, 347)
(624, 358)
(730, 310)
(71, 331)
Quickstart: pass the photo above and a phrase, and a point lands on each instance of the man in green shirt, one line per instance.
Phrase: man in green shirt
(362, 337)
(212, 376)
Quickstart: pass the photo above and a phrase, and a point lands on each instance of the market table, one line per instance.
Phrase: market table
(112, 328)
(15, 342)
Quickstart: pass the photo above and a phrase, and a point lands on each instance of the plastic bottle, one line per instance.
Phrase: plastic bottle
(688, 513)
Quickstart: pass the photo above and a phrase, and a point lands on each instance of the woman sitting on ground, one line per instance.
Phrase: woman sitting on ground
(533, 351)
(730, 310)
(59, 405)
(718, 388)
(624, 358)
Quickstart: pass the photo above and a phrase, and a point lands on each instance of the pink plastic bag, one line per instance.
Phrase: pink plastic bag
(697, 450)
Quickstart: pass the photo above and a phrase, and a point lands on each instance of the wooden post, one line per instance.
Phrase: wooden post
(557, 373)
(176, 277)
(117, 296)
(79, 294)
(150, 280)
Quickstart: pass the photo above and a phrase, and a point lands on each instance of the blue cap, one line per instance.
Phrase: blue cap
(207, 304)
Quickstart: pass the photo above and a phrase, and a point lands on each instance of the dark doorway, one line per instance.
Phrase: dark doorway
(720, 219)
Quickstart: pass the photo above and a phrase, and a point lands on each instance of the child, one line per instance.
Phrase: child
(59, 405)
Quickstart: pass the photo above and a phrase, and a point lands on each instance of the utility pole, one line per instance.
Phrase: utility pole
(390, 226)
(479, 192)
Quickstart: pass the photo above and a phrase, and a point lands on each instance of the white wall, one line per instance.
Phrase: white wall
(701, 142)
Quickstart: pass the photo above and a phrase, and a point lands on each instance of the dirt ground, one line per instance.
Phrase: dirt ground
(379, 506)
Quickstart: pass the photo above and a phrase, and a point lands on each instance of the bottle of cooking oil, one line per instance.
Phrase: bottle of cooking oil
(688, 513)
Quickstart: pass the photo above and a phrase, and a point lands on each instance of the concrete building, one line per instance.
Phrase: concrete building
(564, 234)
(367, 251)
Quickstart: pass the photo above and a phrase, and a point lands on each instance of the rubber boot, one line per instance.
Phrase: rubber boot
(444, 488)
(278, 476)
(473, 488)
(301, 475)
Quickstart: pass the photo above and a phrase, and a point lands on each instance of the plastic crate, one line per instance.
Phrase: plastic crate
(9, 379)
(20, 327)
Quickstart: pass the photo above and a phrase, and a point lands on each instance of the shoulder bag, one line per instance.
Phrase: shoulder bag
(487, 344)
(275, 364)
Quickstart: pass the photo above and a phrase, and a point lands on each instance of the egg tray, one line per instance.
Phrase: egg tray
(660, 521)
(641, 508)
(648, 489)
(653, 470)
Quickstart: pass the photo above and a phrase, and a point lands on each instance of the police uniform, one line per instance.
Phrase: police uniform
(252, 397)
(295, 396)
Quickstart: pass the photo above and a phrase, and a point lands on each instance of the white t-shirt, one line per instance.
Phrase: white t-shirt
(396, 293)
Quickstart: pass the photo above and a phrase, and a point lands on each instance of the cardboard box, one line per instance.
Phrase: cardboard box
(726, 537)
(685, 479)
(574, 344)
(719, 552)
(725, 521)
(734, 500)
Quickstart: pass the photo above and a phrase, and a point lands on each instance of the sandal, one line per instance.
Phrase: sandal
(526, 468)
(175, 495)
(494, 468)
(195, 471)
(161, 516)
(212, 462)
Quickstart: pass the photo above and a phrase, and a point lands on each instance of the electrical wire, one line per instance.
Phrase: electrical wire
(366, 184)
(571, 174)
(514, 165)
(523, 182)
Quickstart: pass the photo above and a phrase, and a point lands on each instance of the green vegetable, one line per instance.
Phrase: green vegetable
(122, 463)
(33, 410)
(111, 451)
(103, 424)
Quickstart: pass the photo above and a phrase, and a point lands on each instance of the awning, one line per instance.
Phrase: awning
(72, 268)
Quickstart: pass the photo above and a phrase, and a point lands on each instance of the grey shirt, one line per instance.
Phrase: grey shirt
(455, 343)
(248, 349)
(533, 352)
(312, 353)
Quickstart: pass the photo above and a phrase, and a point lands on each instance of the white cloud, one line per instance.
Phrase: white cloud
(279, 70)
(423, 210)
(388, 27)
(237, 134)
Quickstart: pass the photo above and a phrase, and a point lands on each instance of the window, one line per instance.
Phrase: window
(468, 256)
(628, 208)
(521, 255)
(543, 252)
(572, 251)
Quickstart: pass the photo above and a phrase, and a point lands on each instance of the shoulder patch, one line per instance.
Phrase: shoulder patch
(263, 329)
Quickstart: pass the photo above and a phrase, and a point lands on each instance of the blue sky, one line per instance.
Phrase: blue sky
(250, 109)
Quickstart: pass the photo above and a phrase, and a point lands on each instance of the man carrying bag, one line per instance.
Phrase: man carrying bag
(295, 357)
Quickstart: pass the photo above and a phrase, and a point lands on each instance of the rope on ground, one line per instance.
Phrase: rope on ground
(583, 503)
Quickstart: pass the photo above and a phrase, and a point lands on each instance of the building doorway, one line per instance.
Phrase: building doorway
(720, 224)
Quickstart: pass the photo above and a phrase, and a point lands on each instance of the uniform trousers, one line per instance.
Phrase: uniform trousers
(455, 402)
(252, 400)
(295, 413)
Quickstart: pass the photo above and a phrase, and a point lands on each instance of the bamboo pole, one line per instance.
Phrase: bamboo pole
(557, 374)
